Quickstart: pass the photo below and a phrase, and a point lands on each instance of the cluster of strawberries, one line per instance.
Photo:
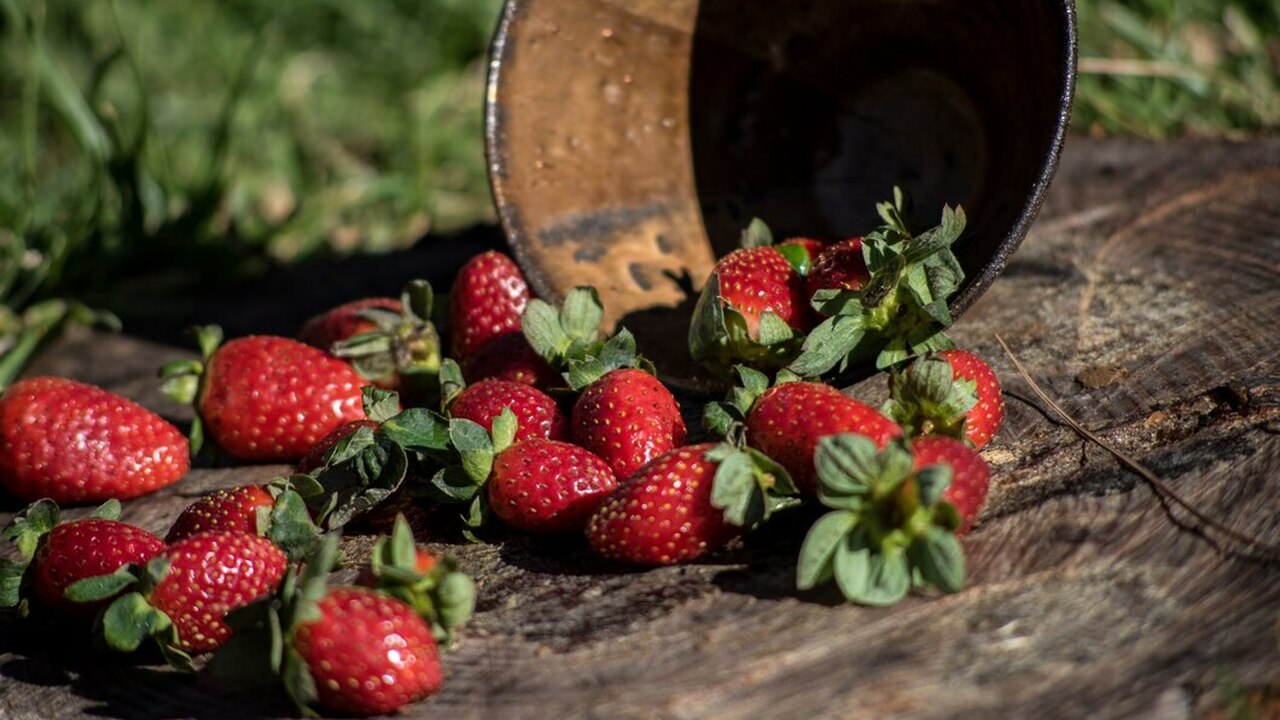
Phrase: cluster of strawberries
(538, 421)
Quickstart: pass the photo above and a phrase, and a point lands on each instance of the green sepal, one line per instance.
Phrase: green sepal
(723, 420)
(451, 382)
(814, 566)
(452, 484)
(475, 448)
(93, 589)
(932, 482)
(443, 596)
(926, 399)
(748, 485)
(28, 527)
(617, 352)
(360, 483)
(567, 334)
(298, 683)
(403, 344)
(719, 337)
(380, 405)
(868, 577)
(477, 519)
(290, 527)
(109, 510)
(504, 430)
(797, 257)
(757, 234)
(940, 559)
(12, 577)
(827, 345)
(130, 620)
(418, 429)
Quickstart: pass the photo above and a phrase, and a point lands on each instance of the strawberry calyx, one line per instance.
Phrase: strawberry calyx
(727, 418)
(568, 338)
(902, 310)
(472, 450)
(27, 532)
(748, 485)
(131, 619)
(184, 379)
(927, 400)
(889, 527)
(287, 523)
(443, 595)
(404, 345)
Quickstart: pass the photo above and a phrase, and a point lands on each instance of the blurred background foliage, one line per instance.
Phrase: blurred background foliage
(169, 144)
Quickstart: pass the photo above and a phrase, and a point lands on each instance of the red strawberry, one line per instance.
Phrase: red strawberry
(344, 321)
(234, 509)
(265, 398)
(548, 486)
(76, 443)
(211, 574)
(951, 392)
(756, 280)
(663, 514)
(984, 418)
(488, 297)
(314, 458)
(970, 475)
(839, 267)
(510, 357)
(627, 417)
(87, 548)
(537, 414)
(788, 420)
(369, 654)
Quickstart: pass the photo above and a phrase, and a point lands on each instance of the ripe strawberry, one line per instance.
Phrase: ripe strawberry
(369, 654)
(434, 587)
(663, 514)
(488, 297)
(627, 417)
(839, 267)
(265, 398)
(758, 280)
(788, 420)
(546, 486)
(314, 459)
(56, 555)
(510, 357)
(344, 322)
(984, 418)
(232, 509)
(537, 414)
(951, 392)
(753, 309)
(970, 476)
(892, 524)
(76, 443)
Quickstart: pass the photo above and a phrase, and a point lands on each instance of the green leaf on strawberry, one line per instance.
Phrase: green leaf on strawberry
(889, 524)
(748, 486)
(926, 399)
(433, 587)
(902, 310)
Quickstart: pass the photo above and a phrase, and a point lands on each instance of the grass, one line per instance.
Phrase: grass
(209, 138)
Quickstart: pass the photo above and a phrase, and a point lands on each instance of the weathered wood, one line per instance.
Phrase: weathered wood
(1146, 299)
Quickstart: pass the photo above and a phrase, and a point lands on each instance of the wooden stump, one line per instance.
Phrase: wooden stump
(1146, 299)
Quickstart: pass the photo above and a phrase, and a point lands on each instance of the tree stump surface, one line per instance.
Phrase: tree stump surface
(1146, 299)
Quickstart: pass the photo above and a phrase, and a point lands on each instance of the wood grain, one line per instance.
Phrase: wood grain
(1146, 300)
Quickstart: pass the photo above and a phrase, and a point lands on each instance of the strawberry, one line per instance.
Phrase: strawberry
(434, 587)
(627, 417)
(753, 309)
(951, 392)
(970, 476)
(77, 443)
(688, 502)
(788, 420)
(263, 398)
(348, 650)
(488, 297)
(60, 554)
(510, 357)
(368, 654)
(315, 457)
(898, 309)
(180, 597)
(546, 486)
(839, 267)
(537, 414)
(892, 523)
(345, 321)
(232, 509)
